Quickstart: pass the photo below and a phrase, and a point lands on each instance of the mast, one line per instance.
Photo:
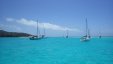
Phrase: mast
(37, 29)
(89, 33)
(86, 28)
(44, 29)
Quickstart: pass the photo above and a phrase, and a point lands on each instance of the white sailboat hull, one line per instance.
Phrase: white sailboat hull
(35, 38)
(85, 39)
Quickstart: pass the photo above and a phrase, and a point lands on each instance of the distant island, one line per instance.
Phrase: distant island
(13, 34)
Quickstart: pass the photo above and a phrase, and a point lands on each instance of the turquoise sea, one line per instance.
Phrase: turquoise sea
(56, 50)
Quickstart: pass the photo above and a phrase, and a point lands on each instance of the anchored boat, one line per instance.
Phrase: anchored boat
(67, 34)
(87, 36)
(36, 37)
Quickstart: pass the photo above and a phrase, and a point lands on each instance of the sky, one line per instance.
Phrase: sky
(57, 16)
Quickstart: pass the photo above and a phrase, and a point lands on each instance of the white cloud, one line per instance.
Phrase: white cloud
(46, 25)
(43, 25)
(57, 27)
(26, 22)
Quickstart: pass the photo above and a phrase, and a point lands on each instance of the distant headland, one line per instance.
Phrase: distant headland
(13, 34)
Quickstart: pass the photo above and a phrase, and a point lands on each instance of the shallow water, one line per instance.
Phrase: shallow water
(56, 50)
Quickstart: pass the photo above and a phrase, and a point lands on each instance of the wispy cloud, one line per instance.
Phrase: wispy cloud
(42, 25)
(10, 19)
(7, 27)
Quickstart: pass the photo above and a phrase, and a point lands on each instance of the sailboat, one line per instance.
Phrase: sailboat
(36, 37)
(66, 33)
(87, 36)
(100, 35)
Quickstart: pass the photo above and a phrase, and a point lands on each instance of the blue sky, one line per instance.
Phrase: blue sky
(57, 16)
